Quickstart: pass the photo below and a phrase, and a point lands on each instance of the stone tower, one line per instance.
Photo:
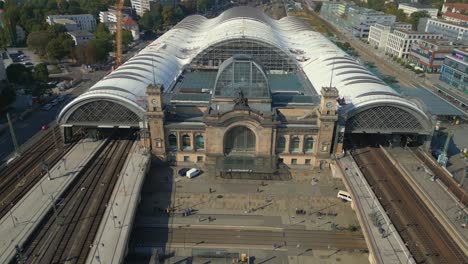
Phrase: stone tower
(326, 121)
(155, 116)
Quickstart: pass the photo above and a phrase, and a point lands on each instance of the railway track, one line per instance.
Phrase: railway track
(192, 236)
(21, 175)
(66, 235)
(421, 231)
(451, 184)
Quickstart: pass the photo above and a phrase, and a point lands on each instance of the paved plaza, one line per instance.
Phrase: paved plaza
(245, 204)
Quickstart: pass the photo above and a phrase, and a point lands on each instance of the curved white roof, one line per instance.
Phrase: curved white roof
(163, 60)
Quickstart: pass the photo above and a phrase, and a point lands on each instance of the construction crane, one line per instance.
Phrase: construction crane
(118, 34)
(443, 158)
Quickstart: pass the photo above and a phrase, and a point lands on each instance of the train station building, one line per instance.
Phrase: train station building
(244, 92)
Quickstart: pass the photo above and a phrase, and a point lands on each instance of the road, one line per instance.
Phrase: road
(31, 125)
(259, 239)
(384, 64)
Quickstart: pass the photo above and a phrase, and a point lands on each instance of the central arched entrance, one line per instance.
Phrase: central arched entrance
(239, 139)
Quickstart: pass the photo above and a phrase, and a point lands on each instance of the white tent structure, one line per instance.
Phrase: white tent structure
(281, 45)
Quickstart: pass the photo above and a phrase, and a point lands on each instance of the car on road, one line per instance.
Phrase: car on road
(54, 102)
(193, 173)
(60, 98)
(47, 107)
(44, 127)
(183, 172)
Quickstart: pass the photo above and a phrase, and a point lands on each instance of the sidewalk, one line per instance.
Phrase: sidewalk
(26, 215)
(387, 245)
(435, 193)
(110, 243)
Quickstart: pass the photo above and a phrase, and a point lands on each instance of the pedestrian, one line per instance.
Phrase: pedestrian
(210, 190)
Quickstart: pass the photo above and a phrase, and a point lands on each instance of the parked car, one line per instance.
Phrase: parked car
(54, 102)
(193, 173)
(183, 172)
(47, 107)
(44, 127)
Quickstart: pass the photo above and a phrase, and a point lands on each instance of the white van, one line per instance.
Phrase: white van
(344, 196)
(192, 173)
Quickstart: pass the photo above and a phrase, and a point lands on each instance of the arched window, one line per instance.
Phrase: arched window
(185, 142)
(281, 145)
(295, 141)
(172, 142)
(199, 142)
(309, 144)
(239, 139)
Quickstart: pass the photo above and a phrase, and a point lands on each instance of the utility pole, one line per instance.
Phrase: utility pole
(12, 132)
(55, 139)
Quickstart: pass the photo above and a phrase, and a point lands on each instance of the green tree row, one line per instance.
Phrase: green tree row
(162, 16)
(56, 44)
(34, 81)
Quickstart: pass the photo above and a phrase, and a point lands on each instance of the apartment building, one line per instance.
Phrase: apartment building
(111, 14)
(128, 24)
(429, 54)
(84, 21)
(454, 8)
(451, 31)
(378, 33)
(454, 71)
(353, 18)
(399, 41)
(141, 6)
(409, 8)
(456, 18)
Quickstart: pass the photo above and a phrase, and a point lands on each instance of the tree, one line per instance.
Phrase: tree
(202, 5)
(146, 21)
(79, 55)
(18, 74)
(392, 9)
(127, 37)
(318, 6)
(41, 74)
(168, 15)
(102, 32)
(7, 94)
(96, 50)
(56, 29)
(38, 41)
(414, 18)
(55, 50)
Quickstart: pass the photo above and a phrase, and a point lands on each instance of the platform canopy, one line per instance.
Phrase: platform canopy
(286, 45)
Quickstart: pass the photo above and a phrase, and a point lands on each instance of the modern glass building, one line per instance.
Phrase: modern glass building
(454, 71)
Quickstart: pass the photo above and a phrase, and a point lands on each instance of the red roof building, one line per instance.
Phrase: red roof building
(455, 17)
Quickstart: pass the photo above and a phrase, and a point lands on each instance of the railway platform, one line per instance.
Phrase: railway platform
(110, 243)
(26, 215)
(450, 211)
(384, 242)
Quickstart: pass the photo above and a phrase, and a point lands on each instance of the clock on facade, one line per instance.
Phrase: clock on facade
(154, 101)
(329, 105)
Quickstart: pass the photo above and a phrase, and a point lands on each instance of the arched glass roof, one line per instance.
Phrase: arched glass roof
(241, 74)
(317, 57)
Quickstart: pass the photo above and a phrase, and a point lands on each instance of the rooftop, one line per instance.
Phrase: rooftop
(458, 6)
(417, 5)
(64, 21)
(81, 33)
(456, 16)
(437, 105)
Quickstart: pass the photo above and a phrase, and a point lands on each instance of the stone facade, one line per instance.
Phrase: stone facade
(205, 141)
